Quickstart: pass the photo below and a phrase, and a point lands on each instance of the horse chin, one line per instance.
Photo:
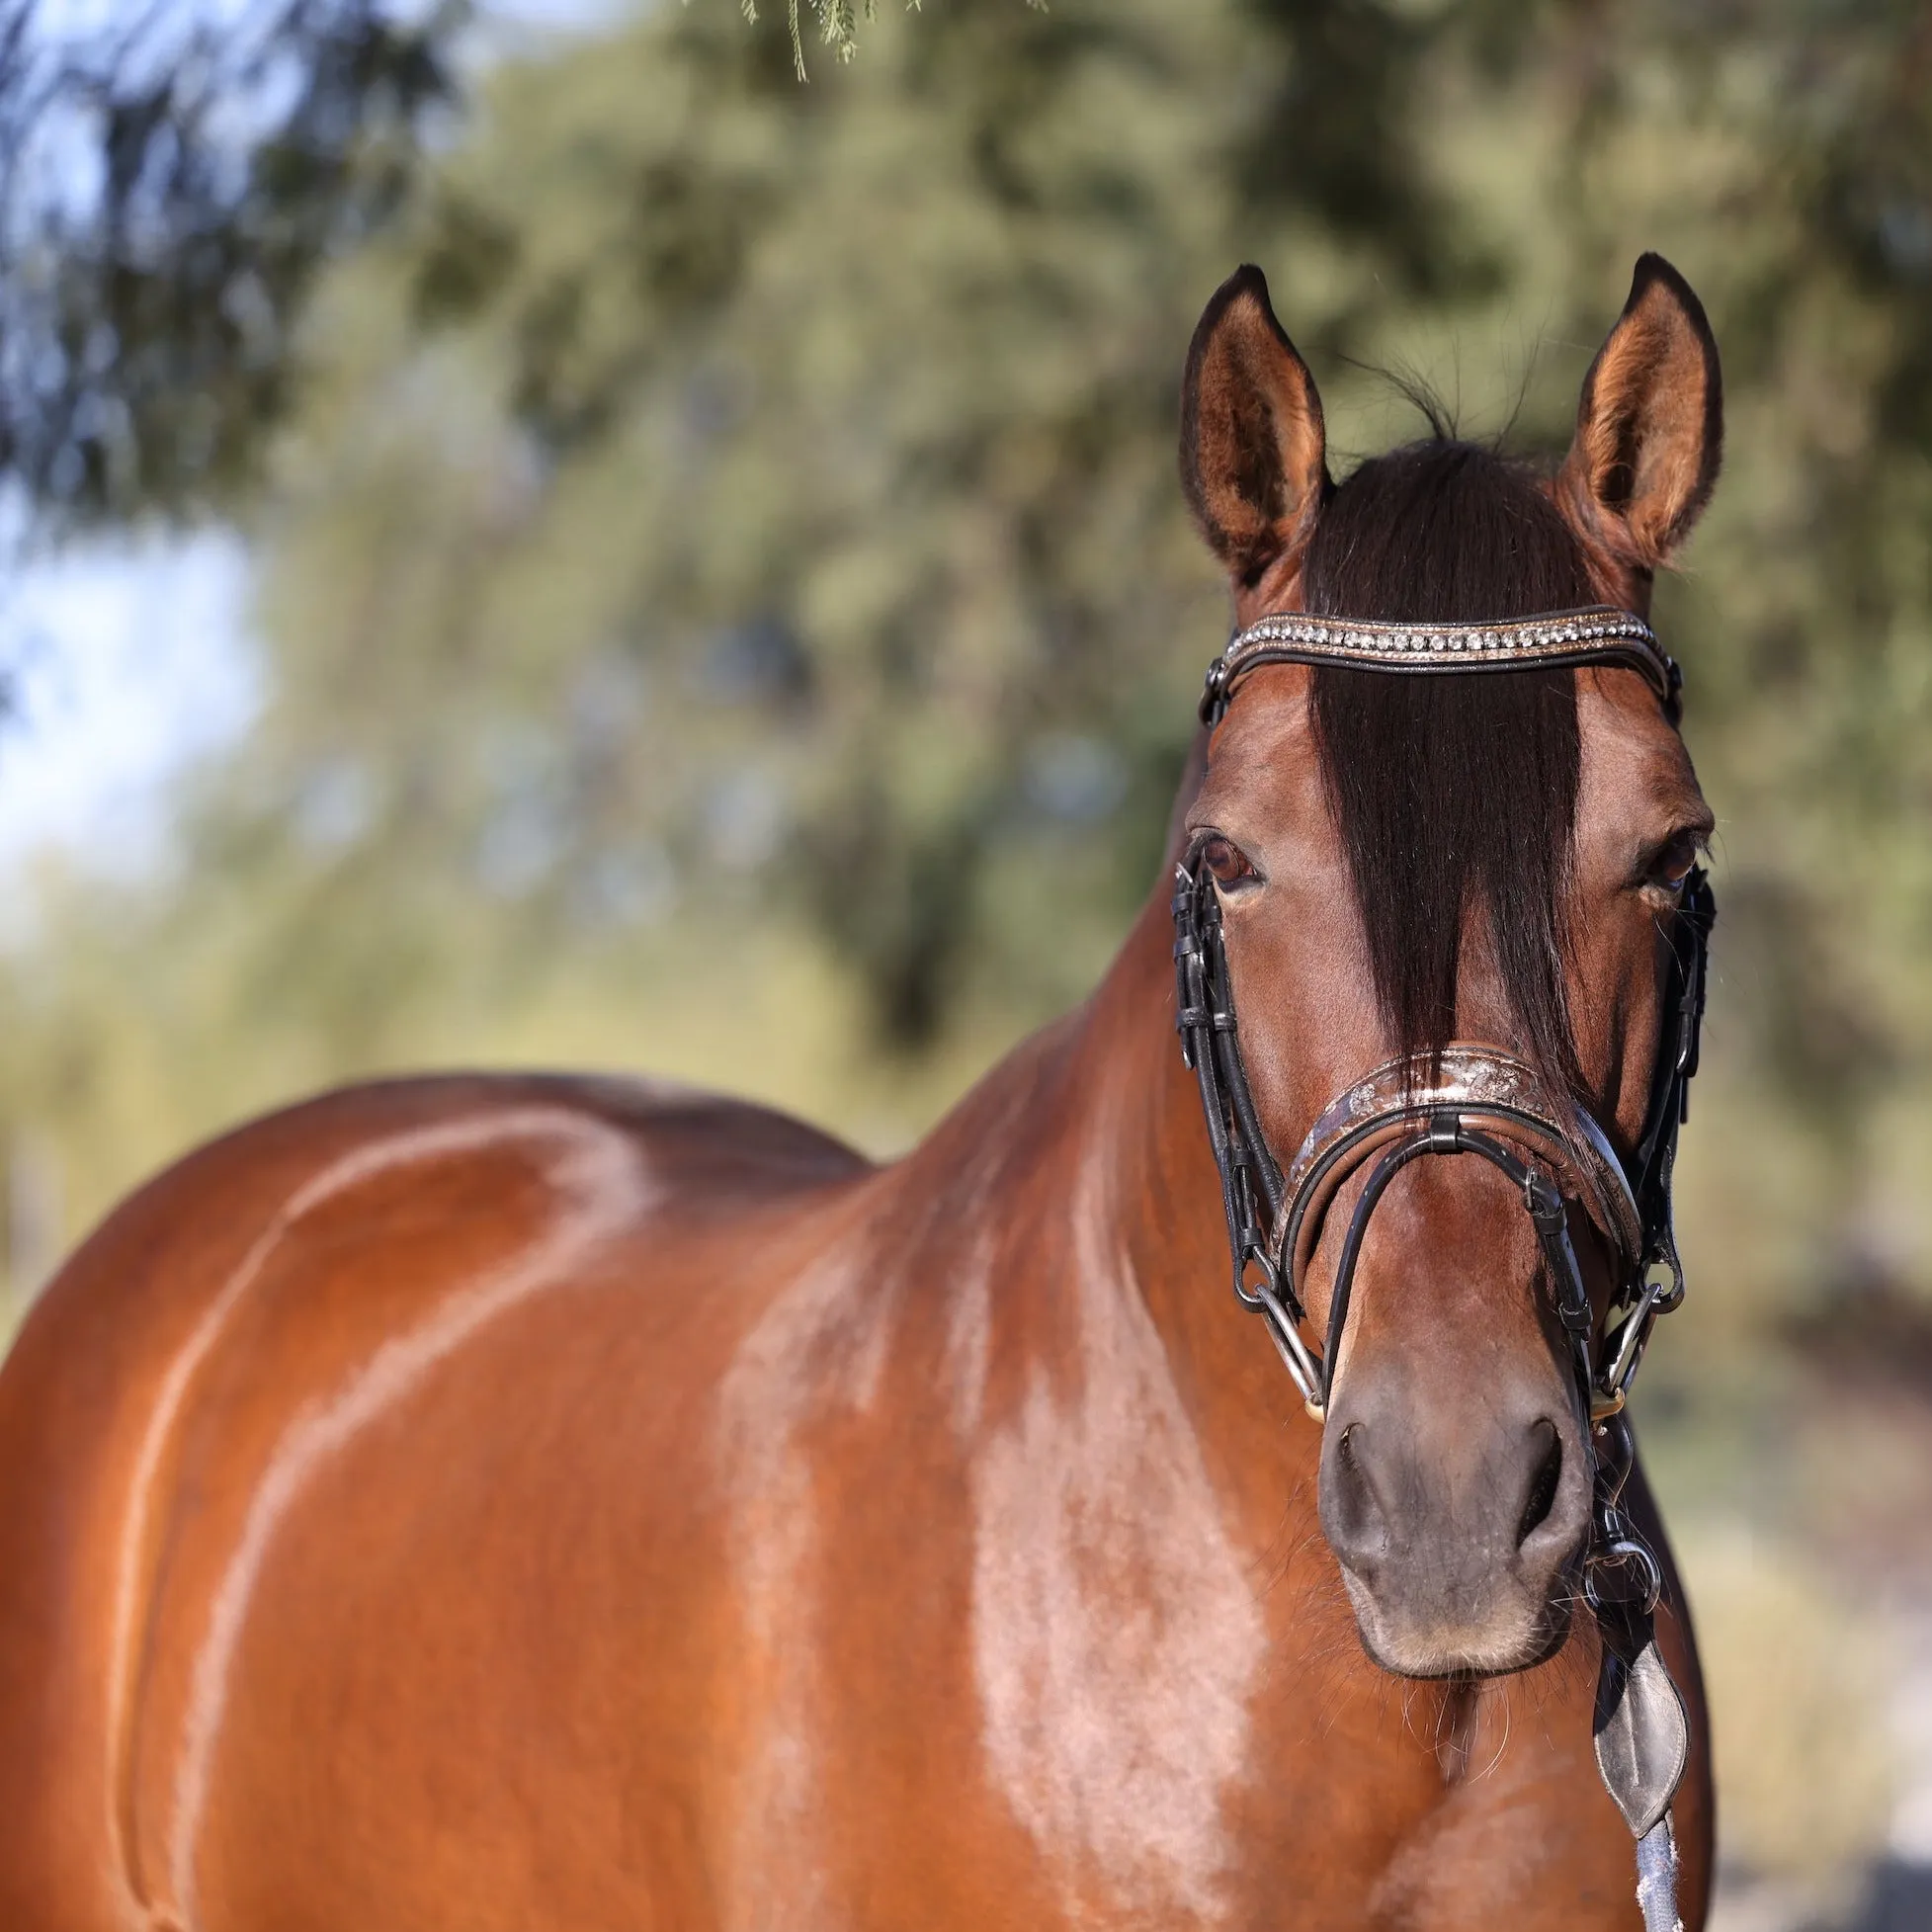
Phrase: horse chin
(1512, 1637)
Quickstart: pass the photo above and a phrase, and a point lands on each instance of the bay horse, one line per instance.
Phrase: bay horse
(553, 1502)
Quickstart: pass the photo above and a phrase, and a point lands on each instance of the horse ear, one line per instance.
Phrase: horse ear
(1254, 452)
(1649, 428)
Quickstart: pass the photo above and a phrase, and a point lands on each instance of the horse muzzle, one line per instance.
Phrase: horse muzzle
(1455, 1480)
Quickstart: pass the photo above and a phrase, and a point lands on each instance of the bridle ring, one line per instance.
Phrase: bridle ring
(1615, 1555)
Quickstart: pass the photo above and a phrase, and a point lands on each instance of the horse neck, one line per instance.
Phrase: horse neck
(1083, 1166)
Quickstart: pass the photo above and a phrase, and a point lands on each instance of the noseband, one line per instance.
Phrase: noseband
(1405, 1109)
(1477, 1100)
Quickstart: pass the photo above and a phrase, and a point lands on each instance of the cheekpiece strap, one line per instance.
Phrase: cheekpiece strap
(1597, 634)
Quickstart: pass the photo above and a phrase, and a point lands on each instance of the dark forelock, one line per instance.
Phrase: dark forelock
(1456, 793)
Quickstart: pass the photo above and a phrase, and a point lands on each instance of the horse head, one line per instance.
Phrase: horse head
(1459, 883)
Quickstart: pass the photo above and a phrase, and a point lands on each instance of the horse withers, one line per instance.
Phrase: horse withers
(517, 1502)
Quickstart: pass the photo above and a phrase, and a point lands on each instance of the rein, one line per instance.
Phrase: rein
(1479, 1101)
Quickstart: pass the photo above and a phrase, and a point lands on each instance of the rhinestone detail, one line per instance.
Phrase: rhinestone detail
(1594, 634)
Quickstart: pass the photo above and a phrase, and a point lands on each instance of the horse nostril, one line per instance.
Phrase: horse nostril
(1542, 1486)
(1351, 1511)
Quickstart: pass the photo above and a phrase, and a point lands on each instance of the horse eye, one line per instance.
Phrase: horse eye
(1227, 865)
(1673, 865)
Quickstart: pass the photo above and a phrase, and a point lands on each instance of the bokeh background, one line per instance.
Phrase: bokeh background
(535, 535)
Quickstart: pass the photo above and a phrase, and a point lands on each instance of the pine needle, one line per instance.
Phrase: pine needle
(838, 24)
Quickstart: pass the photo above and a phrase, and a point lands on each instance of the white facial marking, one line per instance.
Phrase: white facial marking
(599, 1185)
(1117, 1637)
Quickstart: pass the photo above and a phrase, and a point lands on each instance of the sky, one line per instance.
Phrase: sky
(127, 662)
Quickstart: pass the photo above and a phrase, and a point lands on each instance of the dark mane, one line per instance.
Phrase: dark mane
(1455, 794)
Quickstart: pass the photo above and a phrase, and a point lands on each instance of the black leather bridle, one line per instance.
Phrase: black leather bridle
(1409, 1110)
(1477, 1100)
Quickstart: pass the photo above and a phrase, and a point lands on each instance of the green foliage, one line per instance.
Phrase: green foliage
(804, 456)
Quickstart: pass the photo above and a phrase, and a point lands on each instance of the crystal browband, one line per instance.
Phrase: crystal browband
(1600, 635)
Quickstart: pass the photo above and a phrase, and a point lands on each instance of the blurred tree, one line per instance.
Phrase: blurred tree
(171, 182)
(174, 177)
(715, 478)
